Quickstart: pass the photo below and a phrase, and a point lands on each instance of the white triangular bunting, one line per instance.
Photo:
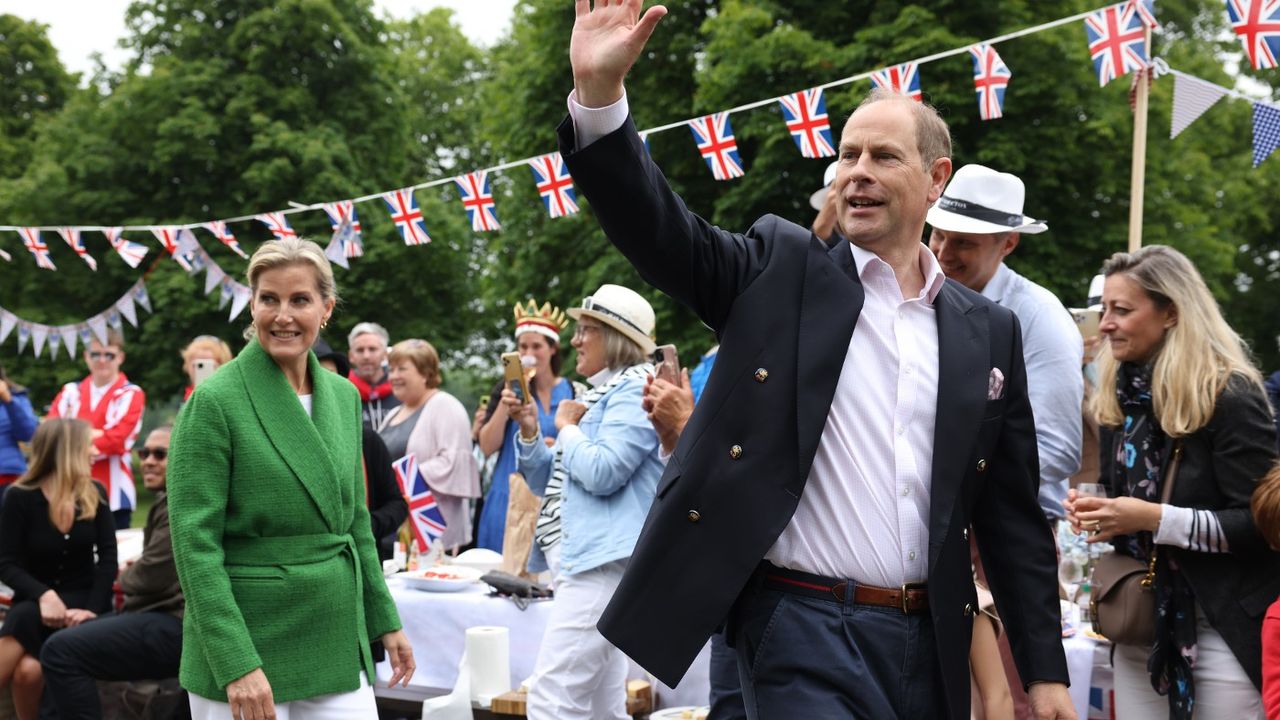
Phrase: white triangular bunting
(39, 333)
(69, 336)
(98, 326)
(24, 335)
(1191, 97)
(239, 299)
(126, 308)
(7, 322)
(141, 297)
(213, 278)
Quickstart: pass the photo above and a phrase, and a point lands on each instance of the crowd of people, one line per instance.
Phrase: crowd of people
(854, 497)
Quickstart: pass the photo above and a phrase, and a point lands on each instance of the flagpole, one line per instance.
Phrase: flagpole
(1138, 172)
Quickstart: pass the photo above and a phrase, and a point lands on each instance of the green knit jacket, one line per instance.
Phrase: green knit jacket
(271, 534)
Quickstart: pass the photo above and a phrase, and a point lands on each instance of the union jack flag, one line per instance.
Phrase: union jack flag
(168, 237)
(72, 236)
(428, 522)
(346, 227)
(278, 224)
(1146, 10)
(554, 185)
(478, 200)
(903, 79)
(131, 252)
(1117, 42)
(220, 231)
(40, 251)
(806, 116)
(990, 79)
(407, 217)
(715, 141)
(1257, 23)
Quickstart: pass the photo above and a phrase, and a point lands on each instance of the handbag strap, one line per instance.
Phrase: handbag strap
(1166, 492)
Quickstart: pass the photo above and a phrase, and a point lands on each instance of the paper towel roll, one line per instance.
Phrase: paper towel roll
(488, 652)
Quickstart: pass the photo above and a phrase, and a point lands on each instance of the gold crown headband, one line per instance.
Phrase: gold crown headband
(547, 320)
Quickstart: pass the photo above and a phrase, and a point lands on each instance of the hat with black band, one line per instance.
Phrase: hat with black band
(982, 201)
(622, 309)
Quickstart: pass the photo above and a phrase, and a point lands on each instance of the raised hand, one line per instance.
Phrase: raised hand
(605, 44)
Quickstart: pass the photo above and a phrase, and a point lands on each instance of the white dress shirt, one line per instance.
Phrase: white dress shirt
(1053, 350)
(864, 513)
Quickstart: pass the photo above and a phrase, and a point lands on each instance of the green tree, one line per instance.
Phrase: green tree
(33, 85)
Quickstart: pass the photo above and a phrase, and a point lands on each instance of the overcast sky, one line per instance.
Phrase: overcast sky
(78, 28)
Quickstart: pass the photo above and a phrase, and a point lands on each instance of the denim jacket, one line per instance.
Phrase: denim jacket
(17, 424)
(613, 466)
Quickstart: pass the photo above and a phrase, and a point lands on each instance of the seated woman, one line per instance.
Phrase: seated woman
(55, 520)
(435, 427)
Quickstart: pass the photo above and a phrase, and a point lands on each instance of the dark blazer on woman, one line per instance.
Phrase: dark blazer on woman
(1221, 464)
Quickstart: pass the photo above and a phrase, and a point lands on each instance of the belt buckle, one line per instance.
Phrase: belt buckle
(909, 586)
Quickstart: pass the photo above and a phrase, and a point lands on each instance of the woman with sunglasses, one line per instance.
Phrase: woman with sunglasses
(17, 423)
(55, 521)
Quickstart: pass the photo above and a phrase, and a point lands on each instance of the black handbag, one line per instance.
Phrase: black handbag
(519, 589)
(1122, 607)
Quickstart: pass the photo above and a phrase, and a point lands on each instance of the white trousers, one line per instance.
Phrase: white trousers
(355, 705)
(579, 675)
(1223, 689)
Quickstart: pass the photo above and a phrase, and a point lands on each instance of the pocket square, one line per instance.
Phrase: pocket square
(995, 384)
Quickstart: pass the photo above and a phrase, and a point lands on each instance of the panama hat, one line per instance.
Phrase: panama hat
(623, 310)
(982, 201)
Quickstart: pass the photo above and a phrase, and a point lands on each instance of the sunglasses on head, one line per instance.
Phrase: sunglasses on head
(102, 355)
(157, 453)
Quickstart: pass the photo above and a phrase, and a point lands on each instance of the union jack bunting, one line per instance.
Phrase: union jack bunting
(346, 227)
(131, 252)
(990, 79)
(168, 237)
(40, 251)
(1146, 10)
(428, 522)
(806, 116)
(1257, 23)
(407, 217)
(5, 256)
(72, 236)
(278, 224)
(554, 185)
(715, 141)
(478, 200)
(903, 79)
(220, 231)
(1117, 42)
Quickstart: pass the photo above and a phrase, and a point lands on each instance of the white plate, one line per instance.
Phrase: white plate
(446, 578)
(675, 713)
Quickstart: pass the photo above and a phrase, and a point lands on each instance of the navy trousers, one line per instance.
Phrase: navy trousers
(129, 646)
(726, 686)
(804, 657)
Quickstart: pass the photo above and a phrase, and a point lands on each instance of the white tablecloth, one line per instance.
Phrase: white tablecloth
(436, 624)
(1089, 666)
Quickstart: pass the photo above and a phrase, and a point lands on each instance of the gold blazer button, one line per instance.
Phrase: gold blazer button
(982, 465)
(694, 516)
(761, 374)
(735, 452)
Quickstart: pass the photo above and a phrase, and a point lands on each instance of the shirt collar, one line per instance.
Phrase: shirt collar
(603, 377)
(934, 279)
(998, 286)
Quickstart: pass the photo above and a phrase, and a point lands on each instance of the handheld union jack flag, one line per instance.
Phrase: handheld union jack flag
(407, 217)
(72, 236)
(719, 148)
(345, 243)
(903, 79)
(990, 79)
(131, 252)
(554, 185)
(1117, 42)
(1257, 23)
(278, 224)
(220, 231)
(427, 521)
(168, 237)
(806, 116)
(40, 251)
(478, 200)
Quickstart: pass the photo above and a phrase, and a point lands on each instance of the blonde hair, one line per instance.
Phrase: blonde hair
(1197, 356)
(422, 355)
(933, 137)
(283, 253)
(60, 462)
(220, 350)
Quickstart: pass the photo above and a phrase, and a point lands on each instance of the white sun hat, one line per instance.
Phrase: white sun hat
(622, 309)
(982, 201)
(819, 197)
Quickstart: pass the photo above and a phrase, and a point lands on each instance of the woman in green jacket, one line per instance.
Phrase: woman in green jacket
(270, 531)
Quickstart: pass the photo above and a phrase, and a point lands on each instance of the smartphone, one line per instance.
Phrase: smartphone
(666, 364)
(203, 368)
(514, 376)
(1087, 321)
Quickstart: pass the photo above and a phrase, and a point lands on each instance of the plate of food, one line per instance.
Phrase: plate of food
(442, 578)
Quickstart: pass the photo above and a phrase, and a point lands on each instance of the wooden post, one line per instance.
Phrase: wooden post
(1138, 172)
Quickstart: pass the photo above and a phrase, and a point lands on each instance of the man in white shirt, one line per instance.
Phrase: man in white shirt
(863, 412)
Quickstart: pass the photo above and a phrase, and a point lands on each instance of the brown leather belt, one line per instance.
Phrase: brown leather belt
(911, 598)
